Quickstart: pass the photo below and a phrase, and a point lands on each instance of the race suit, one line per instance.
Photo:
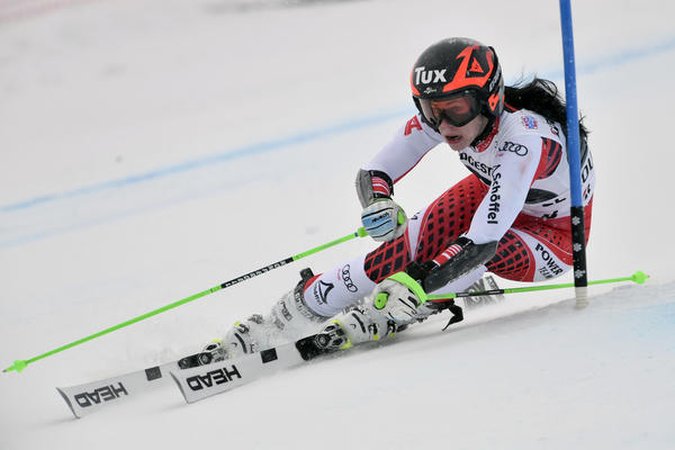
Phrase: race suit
(518, 194)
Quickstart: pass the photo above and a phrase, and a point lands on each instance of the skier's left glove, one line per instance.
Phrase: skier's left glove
(399, 298)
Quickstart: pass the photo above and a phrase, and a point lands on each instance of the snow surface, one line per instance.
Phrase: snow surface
(150, 149)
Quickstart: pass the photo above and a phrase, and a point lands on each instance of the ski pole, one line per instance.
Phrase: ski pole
(21, 364)
(638, 277)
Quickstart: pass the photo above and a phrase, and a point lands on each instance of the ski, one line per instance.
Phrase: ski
(83, 399)
(202, 382)
(198, 378)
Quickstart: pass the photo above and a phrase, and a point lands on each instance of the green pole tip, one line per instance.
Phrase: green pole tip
(639, 277)
(18, 366)
(361, 232)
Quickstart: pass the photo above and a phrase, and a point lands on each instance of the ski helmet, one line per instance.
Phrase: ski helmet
(457, 79)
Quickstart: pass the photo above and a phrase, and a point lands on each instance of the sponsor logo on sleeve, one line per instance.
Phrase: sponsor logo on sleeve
(530, 122)
(513, 147)
(412, 124)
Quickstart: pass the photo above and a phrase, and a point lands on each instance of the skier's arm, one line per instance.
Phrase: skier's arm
(512, 176)
(382, 217)
(408, 146)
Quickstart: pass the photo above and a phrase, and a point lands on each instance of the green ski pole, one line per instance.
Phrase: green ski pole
(21, 364)
(638, 277)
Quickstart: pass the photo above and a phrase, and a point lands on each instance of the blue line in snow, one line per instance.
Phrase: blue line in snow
(238, 153)
(611, 61)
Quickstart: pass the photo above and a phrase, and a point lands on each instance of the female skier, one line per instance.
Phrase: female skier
(510, 216)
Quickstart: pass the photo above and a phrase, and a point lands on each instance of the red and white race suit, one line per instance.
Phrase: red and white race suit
(518, 194)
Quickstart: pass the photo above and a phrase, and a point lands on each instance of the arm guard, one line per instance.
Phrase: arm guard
(460, 258)
(373, 184)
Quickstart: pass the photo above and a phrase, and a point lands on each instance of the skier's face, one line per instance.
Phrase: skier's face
(461, 137)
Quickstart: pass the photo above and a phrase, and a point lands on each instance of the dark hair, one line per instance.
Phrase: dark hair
(540, 96)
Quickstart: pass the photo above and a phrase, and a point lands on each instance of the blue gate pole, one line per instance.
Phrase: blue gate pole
(573, 144)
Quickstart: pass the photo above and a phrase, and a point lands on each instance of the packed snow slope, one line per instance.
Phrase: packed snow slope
(150, 149)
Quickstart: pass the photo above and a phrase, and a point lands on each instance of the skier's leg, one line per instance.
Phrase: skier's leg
(289, 319)
(536, 249)
(366, 322)
(317, 298)
(428, 234)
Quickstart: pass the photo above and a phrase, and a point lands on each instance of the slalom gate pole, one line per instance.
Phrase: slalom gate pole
(21, 364)
(577, 207)
(637, 277)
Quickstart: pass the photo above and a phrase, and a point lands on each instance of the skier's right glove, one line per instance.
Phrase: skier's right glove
(382, 218)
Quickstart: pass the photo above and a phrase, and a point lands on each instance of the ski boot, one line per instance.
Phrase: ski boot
(331, 339)
(212, 352)
(355, 326)
(291, 316)
(289, 319)
(241, 339)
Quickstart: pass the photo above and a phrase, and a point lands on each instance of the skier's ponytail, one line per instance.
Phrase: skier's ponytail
(542, 97)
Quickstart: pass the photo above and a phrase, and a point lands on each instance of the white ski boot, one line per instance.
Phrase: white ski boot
(291, 316)
(238, 341)
(289, 319)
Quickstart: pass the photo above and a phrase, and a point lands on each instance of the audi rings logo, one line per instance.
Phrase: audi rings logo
(512, 147)
(347, 279)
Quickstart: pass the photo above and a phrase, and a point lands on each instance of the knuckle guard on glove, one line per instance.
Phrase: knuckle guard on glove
(384, 220)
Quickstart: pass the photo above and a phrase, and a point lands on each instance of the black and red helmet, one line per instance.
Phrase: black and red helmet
(463, 76)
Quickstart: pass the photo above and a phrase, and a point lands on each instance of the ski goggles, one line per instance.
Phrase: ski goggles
(457, 110)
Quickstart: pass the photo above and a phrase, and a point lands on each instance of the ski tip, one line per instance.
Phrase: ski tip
(67, 399)
(18, 366)
(639, 277)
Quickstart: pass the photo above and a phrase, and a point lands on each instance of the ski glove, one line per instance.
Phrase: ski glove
(401, 299)
(398, 298)
(382, 218)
